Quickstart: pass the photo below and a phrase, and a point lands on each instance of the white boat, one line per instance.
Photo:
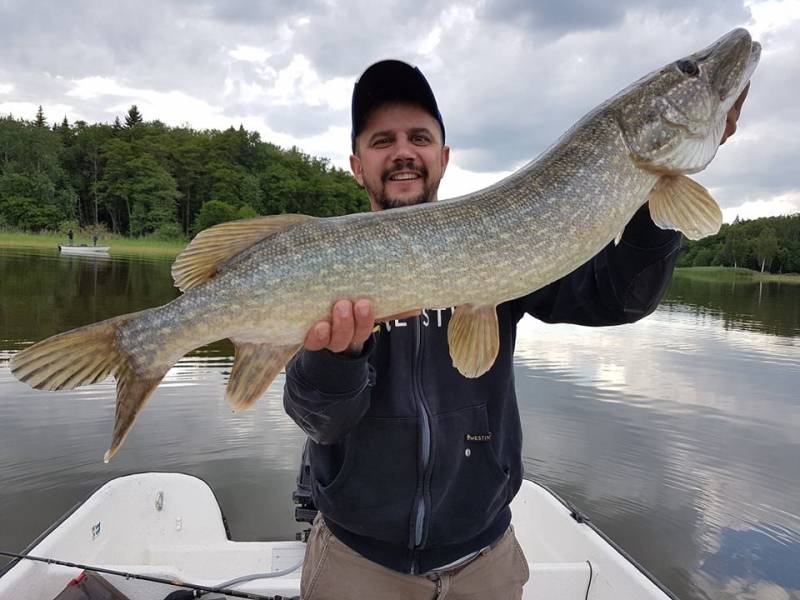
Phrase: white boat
(84, 250)
(169, 526)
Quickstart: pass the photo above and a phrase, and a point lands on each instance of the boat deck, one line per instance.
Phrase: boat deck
(179, 533)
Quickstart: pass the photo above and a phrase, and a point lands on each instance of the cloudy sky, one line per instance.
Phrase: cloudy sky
(510, 75)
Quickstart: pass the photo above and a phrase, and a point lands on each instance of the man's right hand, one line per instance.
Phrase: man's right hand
(350, 325)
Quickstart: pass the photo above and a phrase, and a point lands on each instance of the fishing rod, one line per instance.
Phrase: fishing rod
(172, 582)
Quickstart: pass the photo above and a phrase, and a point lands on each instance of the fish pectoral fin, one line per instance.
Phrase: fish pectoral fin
(677, 202)
(255, 366)
(474, 339)
(213, 247)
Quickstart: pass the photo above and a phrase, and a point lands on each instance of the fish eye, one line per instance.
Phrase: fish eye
(689, 67)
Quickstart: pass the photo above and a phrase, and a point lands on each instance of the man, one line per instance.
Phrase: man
(413, 466)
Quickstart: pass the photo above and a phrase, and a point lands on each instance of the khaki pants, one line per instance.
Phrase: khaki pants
(332, 571)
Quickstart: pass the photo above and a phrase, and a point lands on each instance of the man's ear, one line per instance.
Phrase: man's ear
(355, 167)
(445, 158)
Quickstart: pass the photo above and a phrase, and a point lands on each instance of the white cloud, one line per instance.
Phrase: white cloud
(783, 204)
(509, 80)
(772, 15)
(20, 110)
(93, 87)
(299, 83)
(27, 110)
(458, 181)
(250, 54)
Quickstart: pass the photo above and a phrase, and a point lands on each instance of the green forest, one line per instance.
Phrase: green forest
(767, 244)
(137, 178)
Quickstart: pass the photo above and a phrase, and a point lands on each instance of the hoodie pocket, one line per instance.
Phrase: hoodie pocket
(468, 485)
(373, 492)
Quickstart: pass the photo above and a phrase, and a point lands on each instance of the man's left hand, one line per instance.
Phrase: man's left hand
(733, 115)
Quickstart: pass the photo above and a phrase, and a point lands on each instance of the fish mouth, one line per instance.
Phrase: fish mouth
(697, 94)
(731, 61)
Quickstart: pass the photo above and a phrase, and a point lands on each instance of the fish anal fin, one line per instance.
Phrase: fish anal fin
(213, 247)
(255, 366)
(677, 202)
(474, 338)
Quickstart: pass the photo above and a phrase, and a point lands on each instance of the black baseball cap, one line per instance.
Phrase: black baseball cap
(390, 81)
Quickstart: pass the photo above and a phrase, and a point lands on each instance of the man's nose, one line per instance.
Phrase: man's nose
(404, 149)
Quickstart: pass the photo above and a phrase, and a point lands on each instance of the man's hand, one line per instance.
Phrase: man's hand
(350, 325)
(733, 115)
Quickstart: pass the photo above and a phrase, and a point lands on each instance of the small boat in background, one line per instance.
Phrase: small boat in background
(169, 528)
(84, 250)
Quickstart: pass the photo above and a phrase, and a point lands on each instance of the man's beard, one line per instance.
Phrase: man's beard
(386, 202)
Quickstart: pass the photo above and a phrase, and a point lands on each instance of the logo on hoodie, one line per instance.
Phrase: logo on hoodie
(430, 317)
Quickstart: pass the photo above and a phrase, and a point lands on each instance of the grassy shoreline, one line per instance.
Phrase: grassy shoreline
(120, 246)
(729, 274)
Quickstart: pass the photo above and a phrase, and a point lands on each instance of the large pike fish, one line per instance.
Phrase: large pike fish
(263, 282)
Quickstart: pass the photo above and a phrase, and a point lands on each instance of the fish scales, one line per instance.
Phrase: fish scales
(422, 252)
(264, 282)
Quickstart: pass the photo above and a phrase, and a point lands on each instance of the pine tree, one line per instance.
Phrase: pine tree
(64, 132)
(40, 120)
(134, 117)
(117, 126)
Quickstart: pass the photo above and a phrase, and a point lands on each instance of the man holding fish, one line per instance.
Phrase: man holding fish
(414, 465)
(415, 432)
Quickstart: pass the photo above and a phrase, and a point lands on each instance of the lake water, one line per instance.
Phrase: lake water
(678, 435)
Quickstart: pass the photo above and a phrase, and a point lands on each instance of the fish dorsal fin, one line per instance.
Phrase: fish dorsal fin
(213, 247)
(677, 202)
(474, 339)
(255, 366)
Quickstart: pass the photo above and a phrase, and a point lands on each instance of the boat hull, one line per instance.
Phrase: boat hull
(84, 250)
(181, 534)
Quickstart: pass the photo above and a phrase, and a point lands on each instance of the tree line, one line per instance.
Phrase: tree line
(137, 178)
(767, 244)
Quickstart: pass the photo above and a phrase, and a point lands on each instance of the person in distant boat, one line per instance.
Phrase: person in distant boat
(70, 236)
(413, 466)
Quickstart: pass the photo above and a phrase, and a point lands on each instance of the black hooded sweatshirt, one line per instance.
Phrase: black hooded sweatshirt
(413, 465)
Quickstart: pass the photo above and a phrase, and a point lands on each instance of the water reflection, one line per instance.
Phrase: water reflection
(678, 435)
(672, 429)
(772, 307)
(42, 293)
(764, 554)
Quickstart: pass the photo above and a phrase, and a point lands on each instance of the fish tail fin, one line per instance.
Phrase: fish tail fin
(133, 390)
(88, 355)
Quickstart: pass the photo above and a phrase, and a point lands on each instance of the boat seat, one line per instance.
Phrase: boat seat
(226, 559)
(564, 580)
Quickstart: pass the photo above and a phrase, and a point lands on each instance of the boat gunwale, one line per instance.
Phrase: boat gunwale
(581, 518)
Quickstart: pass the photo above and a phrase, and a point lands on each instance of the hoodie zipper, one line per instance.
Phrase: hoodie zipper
(419, 524)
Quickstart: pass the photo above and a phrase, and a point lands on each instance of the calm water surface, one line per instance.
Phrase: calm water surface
(679, 435)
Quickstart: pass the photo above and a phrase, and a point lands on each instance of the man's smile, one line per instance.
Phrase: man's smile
(404, 176)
